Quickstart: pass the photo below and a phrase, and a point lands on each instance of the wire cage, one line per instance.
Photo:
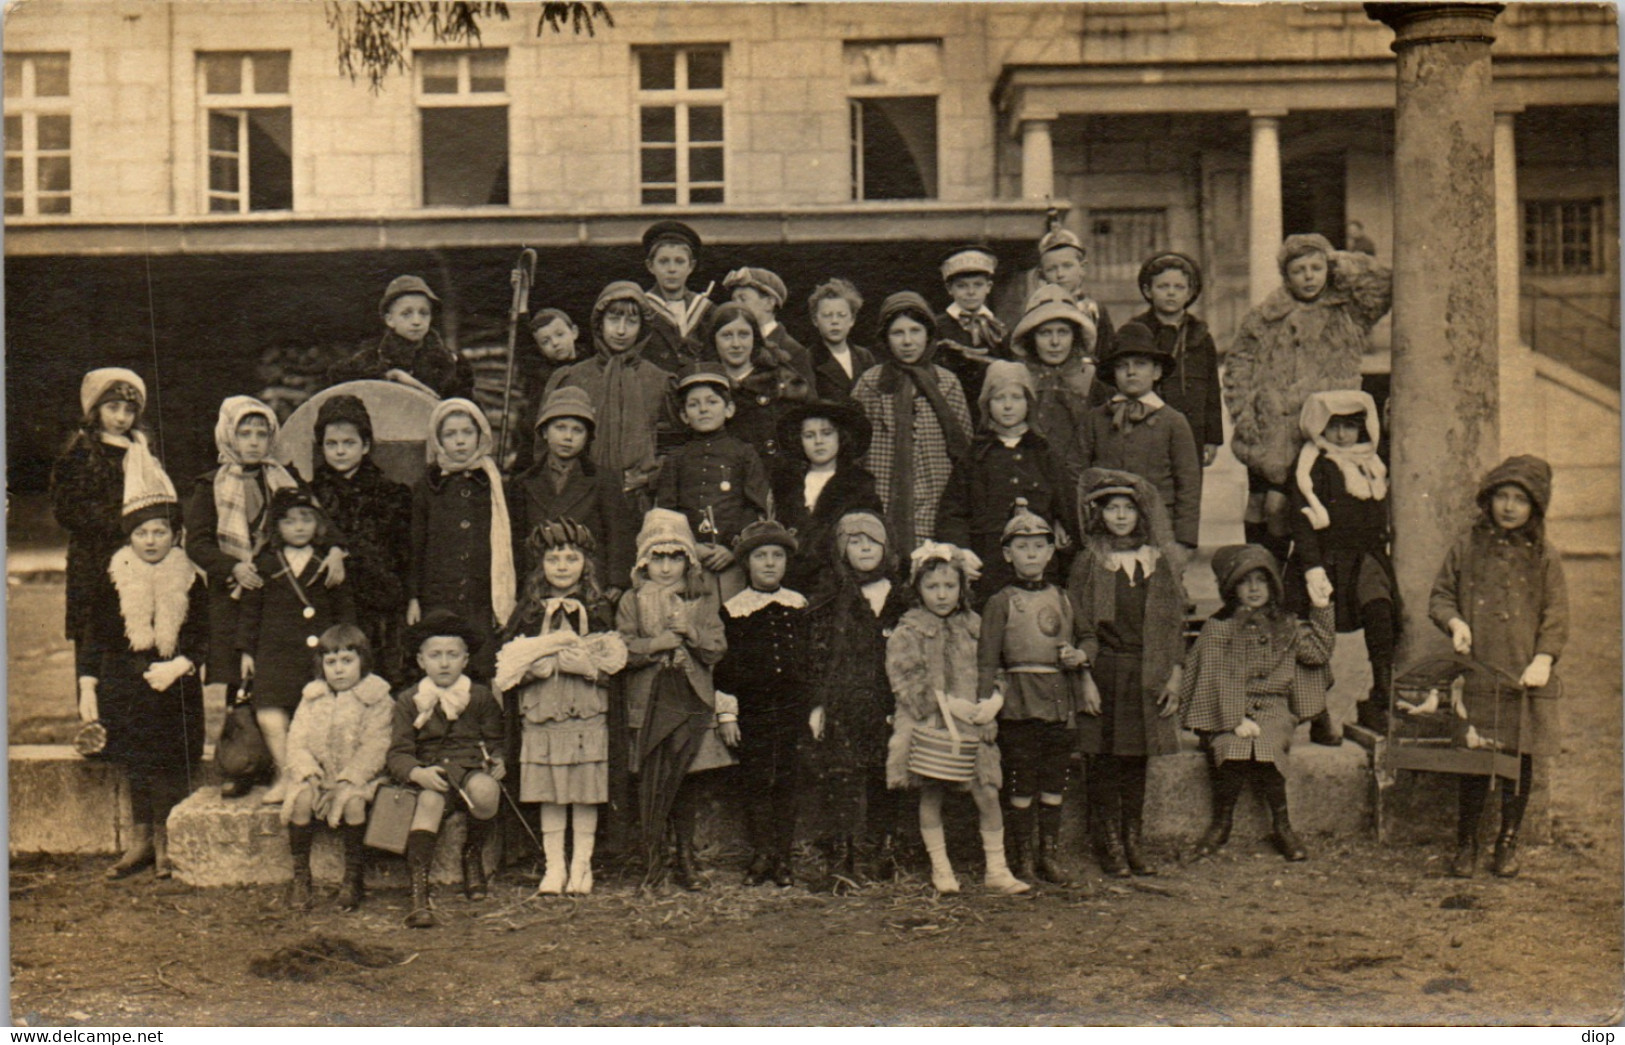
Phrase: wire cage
(1457, 715)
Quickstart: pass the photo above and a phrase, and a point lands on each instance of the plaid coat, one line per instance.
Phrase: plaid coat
(1270, 668)
(931, 465)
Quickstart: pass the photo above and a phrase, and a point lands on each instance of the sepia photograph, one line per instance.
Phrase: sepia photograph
(645, 514)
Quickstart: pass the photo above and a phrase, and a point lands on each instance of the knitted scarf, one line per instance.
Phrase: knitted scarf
(152, 598)
(902, 381)
(453, 700)
(145, 482)
(504, 581)
(235, 484)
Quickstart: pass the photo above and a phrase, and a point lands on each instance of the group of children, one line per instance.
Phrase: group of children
(723, 547)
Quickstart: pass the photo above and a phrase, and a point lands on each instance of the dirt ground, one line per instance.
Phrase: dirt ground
(1360, 934)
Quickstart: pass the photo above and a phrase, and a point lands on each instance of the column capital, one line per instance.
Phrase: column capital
(1508, 110)
(1266, 114)
(1429, 23)
(1037, 117)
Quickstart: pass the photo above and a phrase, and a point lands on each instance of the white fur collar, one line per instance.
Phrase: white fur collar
(369, 690)
(152, 598)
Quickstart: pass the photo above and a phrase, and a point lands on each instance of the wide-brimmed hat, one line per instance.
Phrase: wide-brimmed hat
(1132, 339)
(763, 532)
(848, 418)
(1048, 303)
(442, 623)
(401, 286)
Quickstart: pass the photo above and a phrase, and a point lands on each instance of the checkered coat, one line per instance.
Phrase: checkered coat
(931, 465)
(1271, 667)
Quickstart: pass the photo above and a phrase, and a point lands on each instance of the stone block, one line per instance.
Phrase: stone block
(62, 803)
(241, 841)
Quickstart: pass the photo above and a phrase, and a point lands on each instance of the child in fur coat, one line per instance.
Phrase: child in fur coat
(336, 749)
(931, 663)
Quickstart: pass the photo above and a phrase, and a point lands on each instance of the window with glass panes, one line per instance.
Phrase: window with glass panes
(248, 131)
(463, 121)
(681, 95)
(1563, 237)
(39, 135)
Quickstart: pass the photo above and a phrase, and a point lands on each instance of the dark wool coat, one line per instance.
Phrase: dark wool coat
(1143, 641)
(848, 645)
(716, 471)
(982, 492)
(1288, 349)
(375, 514)
(851, 487)
(1353, 550)
(538, 374)
(1508, 586)
(430, 361)
(454, 746)
(451, 555)
(592, 497)
(1161, 451)
(829, 379)
(1191, 386)
(87, 498)
(969, 373)
(792, 352)
(760, 401)
(272, 626)
(147, 729)
(766, 665)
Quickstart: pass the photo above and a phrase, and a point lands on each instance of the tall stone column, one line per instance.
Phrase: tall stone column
(1264, 219)
(1444, 405)
(1037, 160)
(1520, 408)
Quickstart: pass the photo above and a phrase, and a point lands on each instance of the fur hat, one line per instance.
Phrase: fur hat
(1003, 373)
(1157, 264)
(1526, 471)
(763, 532)
(1059, 237)
(442, 623)
(666, 530)
(759, 279)
(670, 232)
(111, 384)
(1132, 339)
(568, 401)
(401, 286)
(848, 417)
(1235, 561)
(343, 410)
(1299, 244)
(973, 261)
(1047, 304)
(1025, 523)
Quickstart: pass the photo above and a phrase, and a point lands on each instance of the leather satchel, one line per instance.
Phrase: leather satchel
(389, 820)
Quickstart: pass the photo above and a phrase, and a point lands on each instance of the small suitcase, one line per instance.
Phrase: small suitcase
(389, 820)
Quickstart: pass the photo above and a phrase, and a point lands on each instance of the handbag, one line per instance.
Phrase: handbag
(942, 754)
(241, 753)
(389, 820)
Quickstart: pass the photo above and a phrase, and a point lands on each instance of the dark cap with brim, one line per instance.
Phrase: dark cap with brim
(442, 624)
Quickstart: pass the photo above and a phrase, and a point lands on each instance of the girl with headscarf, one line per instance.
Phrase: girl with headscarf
(107, 452)
(922, 424)
(228, 524)
(462, 546)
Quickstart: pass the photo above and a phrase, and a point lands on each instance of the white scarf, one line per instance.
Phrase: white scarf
(1365, 477)
(1145, 556)
(152, 598)
(145, 481)
(749, 600)
(504, 579)
(453, 700)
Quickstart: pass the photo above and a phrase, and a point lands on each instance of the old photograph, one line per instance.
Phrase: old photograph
(666, 514)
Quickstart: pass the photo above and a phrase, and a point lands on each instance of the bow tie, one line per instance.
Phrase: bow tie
(567, 605)
(1127, 412)
(984, 328)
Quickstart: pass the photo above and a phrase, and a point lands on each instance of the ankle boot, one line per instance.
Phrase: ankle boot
(586, 837)
(353, 889)
(554, 875)
(1470, 794)
(139, 854)
(1285, 839)
(1504, 864)
(1322, 731)
(1226, 784)
(1131, 806)
(943, 879)
(474, 886)
(1049, 846)
(998, 878)
(1108, 846)
(300, 837)
(419, 861)
(1018, 826)
(685, 873)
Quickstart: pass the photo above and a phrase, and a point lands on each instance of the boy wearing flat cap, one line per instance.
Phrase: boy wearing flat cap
(763, 293)
(410, 350)
(974, 334)
(671, 252)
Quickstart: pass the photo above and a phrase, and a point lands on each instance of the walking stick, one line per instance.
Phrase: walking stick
(521, 279)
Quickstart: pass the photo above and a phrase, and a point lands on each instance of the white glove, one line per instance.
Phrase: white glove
(164, 673)
(1320, 587)
(962, 709)
(88, 710)
(1248, 729)
(1539, 671)
(1461, 636)
(988, 710)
